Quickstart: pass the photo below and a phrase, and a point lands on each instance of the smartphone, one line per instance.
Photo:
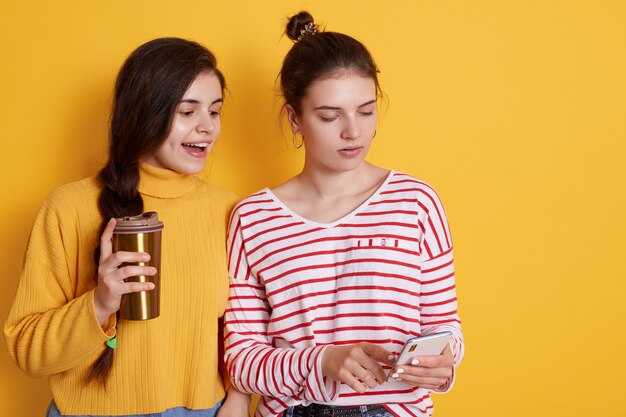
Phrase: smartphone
(433, 344)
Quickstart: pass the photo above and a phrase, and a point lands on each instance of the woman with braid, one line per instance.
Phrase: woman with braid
(332, 271)
(165, 119)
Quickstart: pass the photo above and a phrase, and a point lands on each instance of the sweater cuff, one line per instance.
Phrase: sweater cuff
(327, 388)
(106, 331)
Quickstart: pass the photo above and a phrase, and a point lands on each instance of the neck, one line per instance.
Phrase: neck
(327, 184)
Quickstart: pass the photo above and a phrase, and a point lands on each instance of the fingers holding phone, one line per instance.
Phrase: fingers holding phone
(433, 372)
(425, 361)
(356, 365)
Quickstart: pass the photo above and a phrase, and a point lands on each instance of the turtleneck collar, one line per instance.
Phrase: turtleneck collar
(164, 183)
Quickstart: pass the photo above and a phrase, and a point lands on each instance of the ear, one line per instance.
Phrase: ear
(292, 118)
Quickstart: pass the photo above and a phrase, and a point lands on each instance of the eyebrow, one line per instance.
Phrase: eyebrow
(194, 101)
(339, 108)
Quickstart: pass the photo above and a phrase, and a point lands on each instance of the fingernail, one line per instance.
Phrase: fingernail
(400, 370)
(145, 256)
(395, 376)
(415, 362)
(391, 357)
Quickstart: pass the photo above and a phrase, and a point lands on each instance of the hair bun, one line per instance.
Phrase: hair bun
(300, 26)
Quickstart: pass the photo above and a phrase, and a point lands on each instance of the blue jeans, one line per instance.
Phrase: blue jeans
(53, 411)
(364, 413)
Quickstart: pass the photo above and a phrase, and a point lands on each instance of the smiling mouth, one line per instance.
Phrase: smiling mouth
(197, 150)
(198, 146)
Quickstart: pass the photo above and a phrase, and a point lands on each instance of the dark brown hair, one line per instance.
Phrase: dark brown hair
(149, 87)
(318, 54)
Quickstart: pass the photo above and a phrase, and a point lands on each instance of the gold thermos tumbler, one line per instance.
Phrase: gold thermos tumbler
(140, 234)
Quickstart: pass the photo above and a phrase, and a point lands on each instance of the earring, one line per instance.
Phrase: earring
(293, 139)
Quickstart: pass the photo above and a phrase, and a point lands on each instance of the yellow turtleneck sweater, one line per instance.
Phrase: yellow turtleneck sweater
(166, 362)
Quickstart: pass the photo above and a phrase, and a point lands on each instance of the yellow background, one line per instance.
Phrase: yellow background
(514, 110)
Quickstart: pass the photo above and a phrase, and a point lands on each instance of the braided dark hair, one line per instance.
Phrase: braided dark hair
(148, 89)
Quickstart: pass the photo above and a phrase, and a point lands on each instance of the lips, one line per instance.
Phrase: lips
(200, 146)
(351, 151)
(197, 149)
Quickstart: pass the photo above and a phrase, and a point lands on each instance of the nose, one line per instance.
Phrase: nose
(206, 125)
(350, 129)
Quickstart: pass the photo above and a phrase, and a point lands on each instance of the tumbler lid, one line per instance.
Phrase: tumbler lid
(143, 223)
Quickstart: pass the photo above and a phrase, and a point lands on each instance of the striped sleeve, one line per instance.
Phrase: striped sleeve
(254, 362)
(438, 300)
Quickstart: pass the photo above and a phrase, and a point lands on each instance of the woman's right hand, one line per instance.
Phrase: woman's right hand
(111, 285)
(357, 365)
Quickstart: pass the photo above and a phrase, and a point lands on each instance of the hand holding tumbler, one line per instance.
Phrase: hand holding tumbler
(140, 233)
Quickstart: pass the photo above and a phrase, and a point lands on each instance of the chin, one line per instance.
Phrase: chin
(189, 169)
(193, 171)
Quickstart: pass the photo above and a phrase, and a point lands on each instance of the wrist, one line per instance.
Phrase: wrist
(325, 359)
(239, 397)
(102, 315)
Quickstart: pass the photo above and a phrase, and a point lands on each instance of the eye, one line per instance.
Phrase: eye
(367, 113)
(215, 110)
(185, 113)
(328, 119)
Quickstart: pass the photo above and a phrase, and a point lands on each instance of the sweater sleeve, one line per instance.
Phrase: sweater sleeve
(51, 329)
(254, 361)
(438, 300)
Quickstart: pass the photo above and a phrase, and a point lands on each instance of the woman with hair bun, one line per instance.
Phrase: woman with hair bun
(334, 270)
(64, 323)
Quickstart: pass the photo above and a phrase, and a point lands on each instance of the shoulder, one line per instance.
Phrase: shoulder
(67, 206)
(401, 181)
(401, 185)
(260, 198)
(217, 196)
(72, 196)
(429, 207)
(255, 205)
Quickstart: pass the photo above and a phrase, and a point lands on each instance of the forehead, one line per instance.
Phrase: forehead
(344, 90)
(206, 85)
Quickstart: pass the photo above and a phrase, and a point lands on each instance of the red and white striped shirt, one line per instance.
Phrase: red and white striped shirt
(382, 274)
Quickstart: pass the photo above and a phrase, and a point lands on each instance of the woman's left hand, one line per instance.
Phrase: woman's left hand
(431, 372)
(237, 404)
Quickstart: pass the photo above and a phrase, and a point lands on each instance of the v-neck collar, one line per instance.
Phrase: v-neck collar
(361, 207)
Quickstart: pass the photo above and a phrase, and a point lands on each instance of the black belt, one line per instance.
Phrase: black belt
(321, 410)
